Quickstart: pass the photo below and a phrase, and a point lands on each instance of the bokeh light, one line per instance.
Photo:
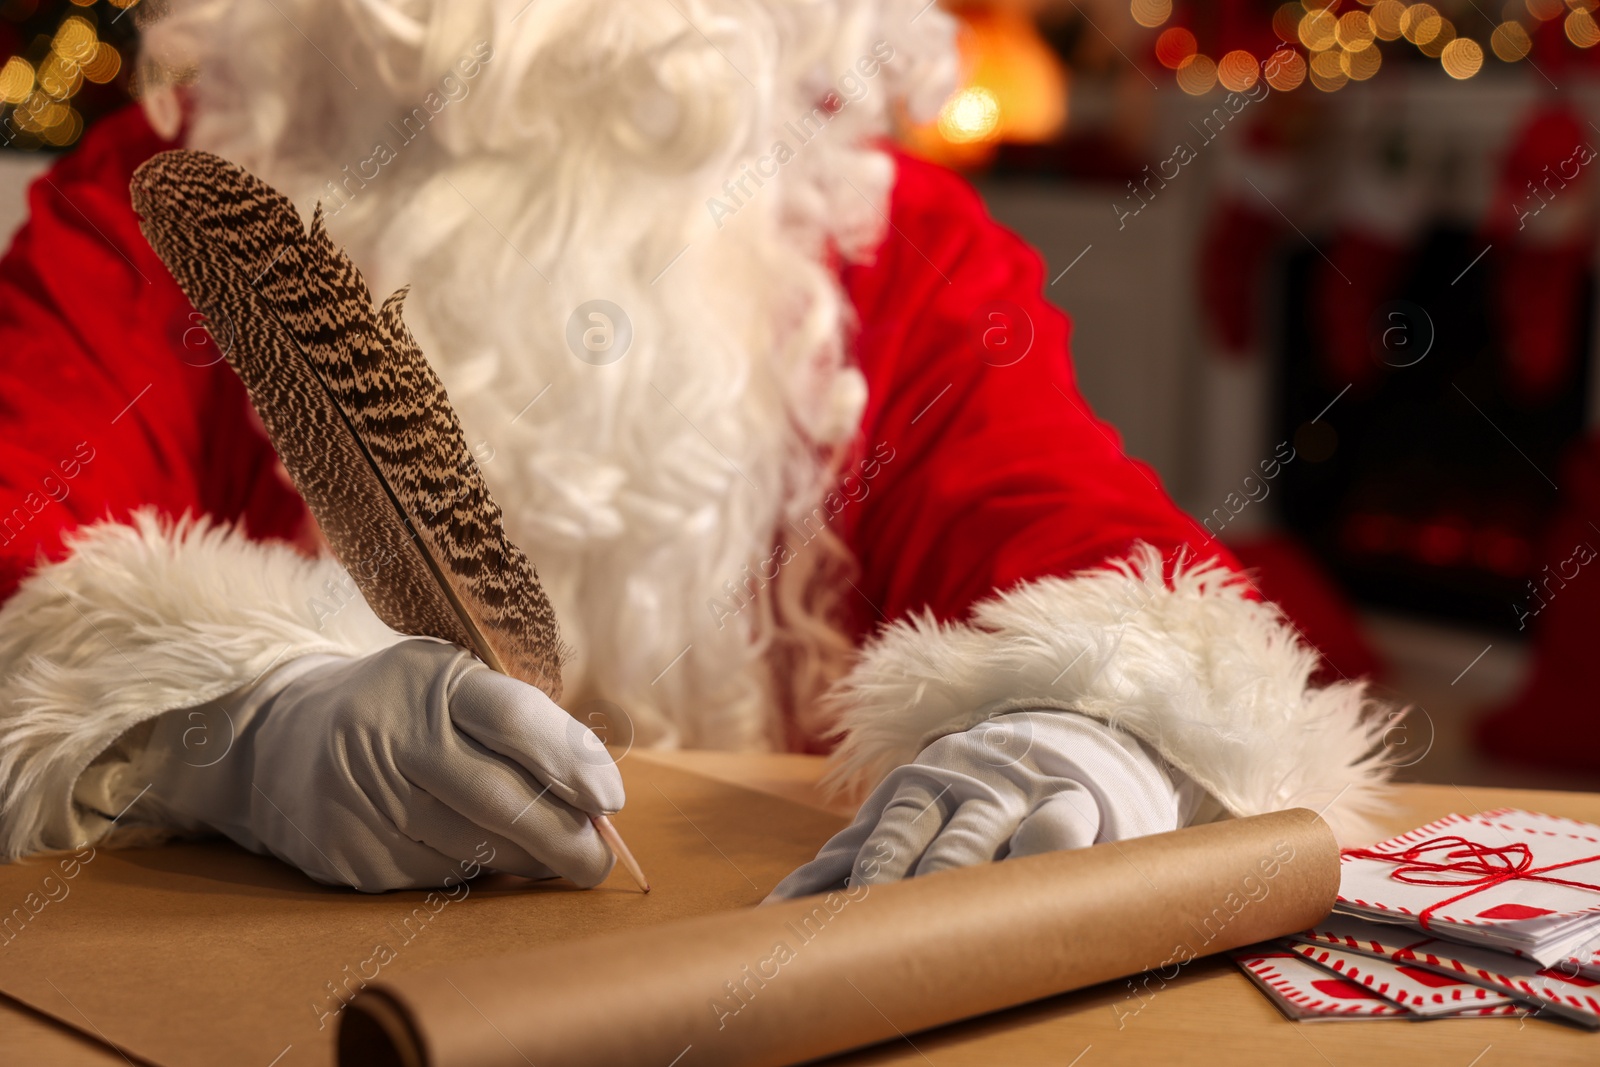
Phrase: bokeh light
(1334, 42)
(1360, 66)
(1151, 13)
(1581, 29)
(1015, 89)
(1435, 48)
(1462, 58)
(41, 83)
(1197, 74)
(1421, 23)
(104, 65)
(76, 39)
(1286, 22)
(16, 80)
(1386, 15)
(1286, 70)
(973, 114)
(1354, 31)
(1174, 46)
(1510, 41)
(1238, 71)
(1327, 73)
(1318, 30)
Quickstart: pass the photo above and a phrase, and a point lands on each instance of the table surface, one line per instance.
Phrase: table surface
(1209, 1014)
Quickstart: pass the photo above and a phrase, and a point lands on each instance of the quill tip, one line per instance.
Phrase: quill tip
(608, 834)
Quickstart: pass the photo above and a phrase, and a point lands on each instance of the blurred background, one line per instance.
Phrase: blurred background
(1332, 271)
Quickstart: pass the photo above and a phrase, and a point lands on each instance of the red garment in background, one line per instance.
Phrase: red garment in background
(1552, 722)
(1542, 221)
(110, 399)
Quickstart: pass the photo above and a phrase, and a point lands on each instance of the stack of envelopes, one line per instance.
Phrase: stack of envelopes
(1495, 913)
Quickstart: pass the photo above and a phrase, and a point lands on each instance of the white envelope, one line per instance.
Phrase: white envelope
(1566, 993)
(1423, 991)
(1307, 993)
(1533, 911)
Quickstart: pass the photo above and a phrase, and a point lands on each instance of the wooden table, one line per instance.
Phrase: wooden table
(1209, 1014)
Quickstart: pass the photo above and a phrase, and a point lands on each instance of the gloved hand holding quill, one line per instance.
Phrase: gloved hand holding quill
(364, 427)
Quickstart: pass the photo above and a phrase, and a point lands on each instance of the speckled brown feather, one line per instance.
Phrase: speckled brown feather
(357, 415)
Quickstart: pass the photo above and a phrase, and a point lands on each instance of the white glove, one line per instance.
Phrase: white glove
(402, 769)
(1019, 784)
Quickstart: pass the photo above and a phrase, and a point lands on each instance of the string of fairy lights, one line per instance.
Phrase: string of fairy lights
(1326, 43)
(53, 61)
(1330, 48)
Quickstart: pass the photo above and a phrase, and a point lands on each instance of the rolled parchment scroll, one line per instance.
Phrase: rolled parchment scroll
(807, 978)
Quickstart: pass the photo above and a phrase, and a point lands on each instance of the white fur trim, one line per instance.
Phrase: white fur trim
(140, 619)
(1216, 682)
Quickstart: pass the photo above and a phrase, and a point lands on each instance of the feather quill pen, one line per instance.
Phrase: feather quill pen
(357, 415)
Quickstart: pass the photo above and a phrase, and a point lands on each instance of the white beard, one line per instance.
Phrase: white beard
(580, 162)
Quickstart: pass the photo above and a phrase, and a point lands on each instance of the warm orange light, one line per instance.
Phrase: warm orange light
(971, 114)
(1013, 63)
(65, 130)
(1014, 90)
(1197, 74)
(1150, 13)
(1434, 48)
(104, 65)
(75, 39)
(59, 77)
(1354, 31)
(16, 80)
(1327, 73)
(1286, 69)
(1360, 66)
(1286, 22)
(1326, 64)
(1421, 23)
(1174, 46)
(1461, 58)
(1318, 30)
(1386, 16)
(1238, 71)
(1510, 41)
(1581, 29)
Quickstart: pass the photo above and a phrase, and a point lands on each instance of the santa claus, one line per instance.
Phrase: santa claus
(779, 412)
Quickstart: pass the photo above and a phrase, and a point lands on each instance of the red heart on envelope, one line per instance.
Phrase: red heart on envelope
(1428, 978)
(1569, 979)
(1342, 990)
(1514, 911)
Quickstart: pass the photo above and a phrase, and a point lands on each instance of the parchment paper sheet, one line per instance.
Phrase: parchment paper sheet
(203, 954)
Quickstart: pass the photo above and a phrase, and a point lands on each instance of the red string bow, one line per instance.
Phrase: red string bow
(1455, 861)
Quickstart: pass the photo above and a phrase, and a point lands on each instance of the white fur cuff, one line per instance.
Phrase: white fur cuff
(140, 619)
(1215, 682)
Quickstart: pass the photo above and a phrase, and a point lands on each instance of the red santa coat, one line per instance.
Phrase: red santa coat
(1016, 552)
(115, 399)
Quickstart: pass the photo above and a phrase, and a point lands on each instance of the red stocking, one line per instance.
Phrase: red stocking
(1369, 269)
(1554, 722)
(1536, 298)
(1237, 242)
(1541, 222)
